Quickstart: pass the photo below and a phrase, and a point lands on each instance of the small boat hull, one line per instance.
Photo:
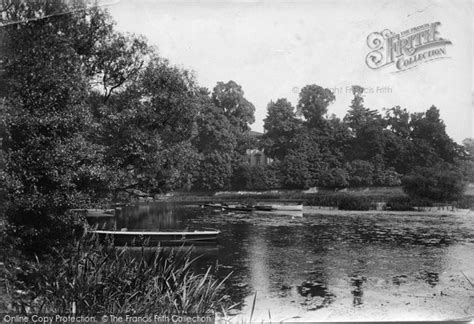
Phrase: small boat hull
(263, 208)
(292, 213)
(238, 208)
(213, 206)
(162, 238)
(287, 207)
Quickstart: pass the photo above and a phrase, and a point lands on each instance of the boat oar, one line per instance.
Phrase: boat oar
(467, 278)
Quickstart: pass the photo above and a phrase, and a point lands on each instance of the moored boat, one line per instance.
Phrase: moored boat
(214, 206)
(238, 208)
(298, 207)
(263, 208)
(153, 238)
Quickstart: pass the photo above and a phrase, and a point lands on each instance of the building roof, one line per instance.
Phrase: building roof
(255, 134)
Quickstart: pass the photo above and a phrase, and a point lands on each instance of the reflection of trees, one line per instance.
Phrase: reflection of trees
(355, 252)
(258, 257)
(235, 253)
(357, 283)
(154, 216)
(291, 251)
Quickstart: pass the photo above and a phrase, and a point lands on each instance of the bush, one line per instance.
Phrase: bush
(92, 278)
(324, 200)
(334, 199)
(248, 177)
(37, 231)
(439, 183)
(335, 178)
(354, 203)
(400, 204)
(466, 202)
(387, 177)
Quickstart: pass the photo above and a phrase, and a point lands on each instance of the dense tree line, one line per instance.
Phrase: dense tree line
(365, 148)
(89, 113)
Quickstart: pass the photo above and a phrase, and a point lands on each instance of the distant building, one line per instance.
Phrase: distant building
(256, 157)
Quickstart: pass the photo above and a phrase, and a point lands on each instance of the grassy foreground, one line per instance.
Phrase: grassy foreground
(90, 278)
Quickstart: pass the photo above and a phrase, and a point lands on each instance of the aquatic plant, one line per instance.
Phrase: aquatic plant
(92, 277)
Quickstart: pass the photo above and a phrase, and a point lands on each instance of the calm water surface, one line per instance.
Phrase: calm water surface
(330, 267)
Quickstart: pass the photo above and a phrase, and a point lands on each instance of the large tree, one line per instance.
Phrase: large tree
(467, 161)
(367, 129)
(230, 98)
(280, 127)
(50, 163)
(313, 104)
(399, 148)
(147, 129)
(215, 142)
(432, 143)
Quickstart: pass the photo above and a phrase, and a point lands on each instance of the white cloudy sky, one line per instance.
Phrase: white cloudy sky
(273, 48)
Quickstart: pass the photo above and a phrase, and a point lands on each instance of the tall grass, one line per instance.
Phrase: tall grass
(92, 277)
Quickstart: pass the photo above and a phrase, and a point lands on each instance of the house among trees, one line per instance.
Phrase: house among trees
(256, 157)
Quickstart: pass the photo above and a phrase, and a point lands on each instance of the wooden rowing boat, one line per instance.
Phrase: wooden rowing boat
(278, 207)
(288, 207)
(214, 206)
(238, 208)
(164, 238)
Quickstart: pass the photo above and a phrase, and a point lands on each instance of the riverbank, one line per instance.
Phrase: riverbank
(427, 211)
(362, 198)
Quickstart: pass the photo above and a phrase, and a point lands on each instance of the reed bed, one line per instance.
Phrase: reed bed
(92, 277)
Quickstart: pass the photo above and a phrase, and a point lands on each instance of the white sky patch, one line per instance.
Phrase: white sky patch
(273, 49)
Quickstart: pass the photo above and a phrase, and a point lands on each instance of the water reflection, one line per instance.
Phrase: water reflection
(431, 278)
(316, 294)
(357, 283)
(319, 261)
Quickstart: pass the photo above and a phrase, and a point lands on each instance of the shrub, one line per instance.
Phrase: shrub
(422, 202)
(439, 183)
(248, 177)
(466, 202)
(387, 177)
(334, 199)
(400, 203)
(336, 178)
(37, 231)
(94, 278)
(354, 203)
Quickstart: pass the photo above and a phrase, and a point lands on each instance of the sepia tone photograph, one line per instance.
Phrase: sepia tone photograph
(236, 161)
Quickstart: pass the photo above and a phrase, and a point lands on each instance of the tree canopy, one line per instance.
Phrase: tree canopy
(366, 148)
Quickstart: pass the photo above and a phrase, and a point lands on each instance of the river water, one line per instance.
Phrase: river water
(346, 266)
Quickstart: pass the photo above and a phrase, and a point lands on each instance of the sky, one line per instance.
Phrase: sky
(274, 48)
